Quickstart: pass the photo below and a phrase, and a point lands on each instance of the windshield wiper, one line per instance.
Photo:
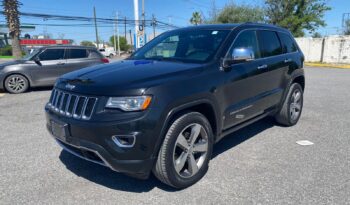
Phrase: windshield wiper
(161, 58)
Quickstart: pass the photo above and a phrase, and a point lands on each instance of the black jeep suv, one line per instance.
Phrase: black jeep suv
(163, 109)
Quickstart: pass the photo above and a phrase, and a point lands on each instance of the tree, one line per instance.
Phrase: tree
(123, 43)
(12, 18)
(347, 27)
(316, 35)
(233, 13)
(196, 18)
(297, 15)
(87, 43)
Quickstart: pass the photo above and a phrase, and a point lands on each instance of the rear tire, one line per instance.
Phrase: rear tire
(16, 84)
(292, 106)
(184, 156)
(111, 55)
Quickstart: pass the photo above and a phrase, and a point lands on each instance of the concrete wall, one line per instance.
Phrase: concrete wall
(336, 49)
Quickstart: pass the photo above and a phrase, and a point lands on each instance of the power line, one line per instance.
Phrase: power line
(130, 22)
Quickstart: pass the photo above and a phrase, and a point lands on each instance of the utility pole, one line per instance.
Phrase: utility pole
(97, 43)
(125, 27)
(114, 38)
(143, 17)
(130, 37)
(136, 14)
(154, 24)
(117, 34)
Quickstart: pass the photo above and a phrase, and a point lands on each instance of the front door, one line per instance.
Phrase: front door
(246, 83)
(50, 66)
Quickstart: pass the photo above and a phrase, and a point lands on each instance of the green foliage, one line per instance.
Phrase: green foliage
(6, 51)
(297, 15)
(196, 18)
(123, 43)
(234, 13)
(347, 27)
(316, 35)
(87, 43)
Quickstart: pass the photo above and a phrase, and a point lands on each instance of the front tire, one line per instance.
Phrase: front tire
(16, 84)
(292, 106)
(184, 156)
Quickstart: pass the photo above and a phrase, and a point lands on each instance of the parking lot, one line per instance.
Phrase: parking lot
(261, 163)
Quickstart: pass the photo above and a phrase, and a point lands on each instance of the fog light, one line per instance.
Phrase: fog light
(124, 140)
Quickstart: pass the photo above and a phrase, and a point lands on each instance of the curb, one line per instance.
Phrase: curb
(324, 65)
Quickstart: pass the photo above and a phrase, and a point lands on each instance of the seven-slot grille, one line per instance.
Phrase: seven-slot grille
(71, 105)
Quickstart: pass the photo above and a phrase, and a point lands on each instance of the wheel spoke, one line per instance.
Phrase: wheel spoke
(192, 165)
(182, 142)
(297, 96)
(195, 131)
(180, 161)
(200, 147)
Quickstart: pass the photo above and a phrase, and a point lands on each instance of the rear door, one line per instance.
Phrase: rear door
(52, 66)
(246, 83)
(78, 58)
(272, 53)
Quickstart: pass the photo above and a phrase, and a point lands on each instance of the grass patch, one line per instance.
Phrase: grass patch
(6, 57)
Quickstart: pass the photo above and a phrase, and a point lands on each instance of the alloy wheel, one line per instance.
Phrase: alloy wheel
(190, 150)
(16, 84)
(295, 105)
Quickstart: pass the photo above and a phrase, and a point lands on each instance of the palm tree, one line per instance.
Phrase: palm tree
(12, 18)
(196, 18)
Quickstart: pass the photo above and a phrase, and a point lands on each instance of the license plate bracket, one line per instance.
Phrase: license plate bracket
(59, 130)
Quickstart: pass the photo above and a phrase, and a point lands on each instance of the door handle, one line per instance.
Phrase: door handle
(288, 60)
(60, 63)
(262, 67)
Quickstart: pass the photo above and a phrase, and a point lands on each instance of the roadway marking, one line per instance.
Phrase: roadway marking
(2, 94)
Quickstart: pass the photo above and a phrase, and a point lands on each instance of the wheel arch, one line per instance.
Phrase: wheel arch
(203, 106)
(17, 73)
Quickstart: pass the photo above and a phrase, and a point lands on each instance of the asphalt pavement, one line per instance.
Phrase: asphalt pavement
(260, 164)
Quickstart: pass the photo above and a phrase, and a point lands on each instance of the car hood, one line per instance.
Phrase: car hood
(14, 62)
(127, 77)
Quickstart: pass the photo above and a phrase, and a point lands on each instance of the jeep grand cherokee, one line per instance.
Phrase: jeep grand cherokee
(163, 109)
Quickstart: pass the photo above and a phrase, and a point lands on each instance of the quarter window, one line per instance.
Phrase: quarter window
(247, 39)
(52, 54)
(269, 43)
(76, 53)
(287, 43)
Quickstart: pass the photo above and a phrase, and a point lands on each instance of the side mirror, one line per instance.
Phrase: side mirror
(37, 60)
(238, 55)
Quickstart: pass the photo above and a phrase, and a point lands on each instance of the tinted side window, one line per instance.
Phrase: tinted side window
(52, 54)
(287, 43)
(77, 53)
(247, 39)
(269, 43)
(94, 54)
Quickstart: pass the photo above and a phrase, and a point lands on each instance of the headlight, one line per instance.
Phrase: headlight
(129, 103)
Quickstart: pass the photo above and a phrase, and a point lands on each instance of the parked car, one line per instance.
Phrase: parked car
(43, 66)
(108, 52)
(163, 109)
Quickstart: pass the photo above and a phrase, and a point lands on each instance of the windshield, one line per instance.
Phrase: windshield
(193, 46)
(30, 55)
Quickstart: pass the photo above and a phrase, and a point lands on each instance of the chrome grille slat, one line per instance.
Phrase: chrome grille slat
(71, 105)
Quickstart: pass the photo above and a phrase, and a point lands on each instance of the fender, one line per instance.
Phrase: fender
(18, 73)
(296, 73)
(175, 110)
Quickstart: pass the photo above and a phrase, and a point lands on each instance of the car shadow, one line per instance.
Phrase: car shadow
(106, 177)
(242, 135)
(35, 89)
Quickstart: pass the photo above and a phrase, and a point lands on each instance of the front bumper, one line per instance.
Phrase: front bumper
(2, 80)
(93, 141)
